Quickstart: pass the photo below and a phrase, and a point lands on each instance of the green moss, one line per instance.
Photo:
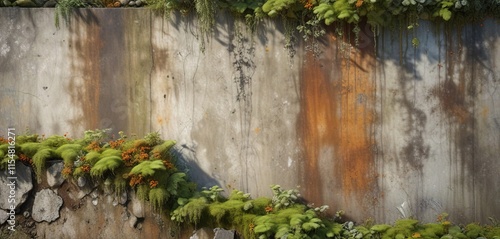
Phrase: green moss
(22, 139)
(228, 212)
(106, 164)
(55, 141)
(30, 149)
(148, 168)
(164, 148)
(158, 198)
(111, 152)
(4, 148)
(40, 158)
(474, 230)
(193, 210)
(92, 157)
(142, 192)
(69, 153)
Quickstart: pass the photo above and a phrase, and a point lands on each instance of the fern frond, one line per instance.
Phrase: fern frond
(142, 192)
(55, 141)
(69, 153)
(22, 139)
(65, 147)
(31, 148)
(158, 197)
(40, 158)
(92, 157)
(164, 148)
(148, 168)
(110, 163)
(174, 181)
(111, 152)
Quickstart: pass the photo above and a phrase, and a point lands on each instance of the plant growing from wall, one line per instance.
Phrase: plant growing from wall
(169, 191)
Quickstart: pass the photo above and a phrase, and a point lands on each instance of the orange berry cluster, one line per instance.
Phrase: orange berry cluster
(153, 183)
(25, 159)
(93, 146)
(67, 171)
(269, 209)
(85, 168)
(116, 144)
(3, 140)
(135, 179)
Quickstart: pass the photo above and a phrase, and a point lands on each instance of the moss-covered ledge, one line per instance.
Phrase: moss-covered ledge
(123, 186)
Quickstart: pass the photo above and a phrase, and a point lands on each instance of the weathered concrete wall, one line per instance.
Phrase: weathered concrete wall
(384, 130)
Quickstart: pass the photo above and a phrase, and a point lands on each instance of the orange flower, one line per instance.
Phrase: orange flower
(25, 159)
(359, 3)
(168, 164)
(116, 144)
(94, 145)
(269, 209)
(135, 179)
(86, 168)
(153, 183)
(67, 171)
(251, 226)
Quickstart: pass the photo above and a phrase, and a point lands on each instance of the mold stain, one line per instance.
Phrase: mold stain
(456, 97)
(84, 85)
(337, 115)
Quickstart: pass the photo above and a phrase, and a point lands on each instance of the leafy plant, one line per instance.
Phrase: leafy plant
(64, 8)
(106, 164)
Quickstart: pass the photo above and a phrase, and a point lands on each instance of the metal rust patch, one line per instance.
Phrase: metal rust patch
(337, 114)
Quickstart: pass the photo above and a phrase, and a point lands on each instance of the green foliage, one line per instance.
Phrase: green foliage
(158, 198)
(55, 141)
(69, 153)
(164, 148)
(31, 148)
(64, 9)
(92, 157)
(284, 198)
(39, 160)
(191, 211)
(213, 193)
(27, 138)
(148, 168)
(111, 152)
(154, 138)
(106, 164)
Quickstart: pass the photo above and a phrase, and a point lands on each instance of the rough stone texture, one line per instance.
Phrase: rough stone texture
(362, 129)
(136, 206)
(23, 184)
(3, 216)
(223, 234)
(108, 221)
(54, 176)
(46, 206)
(203, 233)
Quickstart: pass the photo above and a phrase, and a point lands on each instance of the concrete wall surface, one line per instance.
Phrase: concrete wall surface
(381, 130)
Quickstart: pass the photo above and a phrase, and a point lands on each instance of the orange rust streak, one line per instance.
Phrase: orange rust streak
(355, 155)
(337, 115)
(319, 123)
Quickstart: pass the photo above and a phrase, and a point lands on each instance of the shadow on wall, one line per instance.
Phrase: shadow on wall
(188, 163)
(407, 44)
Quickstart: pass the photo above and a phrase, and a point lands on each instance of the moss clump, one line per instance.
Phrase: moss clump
(92, 157)
(148, 168)
(39, 160)
(106, 164)
(158, 198)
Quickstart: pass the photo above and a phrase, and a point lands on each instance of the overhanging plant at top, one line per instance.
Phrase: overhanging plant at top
(303, 13)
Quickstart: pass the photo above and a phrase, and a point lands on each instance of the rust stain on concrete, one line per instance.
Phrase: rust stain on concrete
(84, 85)
(337, 114)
